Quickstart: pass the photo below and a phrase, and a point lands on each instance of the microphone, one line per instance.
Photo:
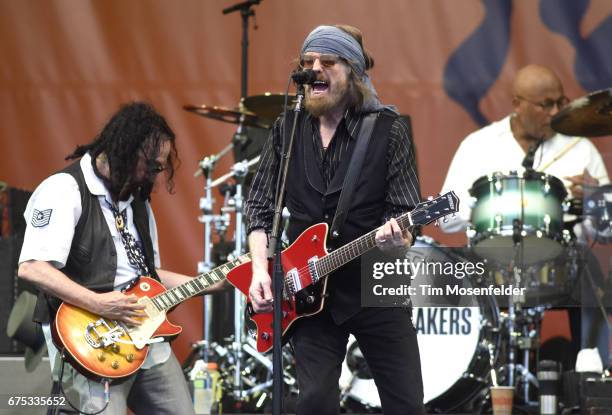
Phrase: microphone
(305, 77)
(530, 156)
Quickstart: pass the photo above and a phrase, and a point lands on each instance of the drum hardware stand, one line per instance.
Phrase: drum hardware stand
(207, 166)
(527, 341)
(239, 171)
(524, 339)
(252, 359)
(235, 204)
(220, 223)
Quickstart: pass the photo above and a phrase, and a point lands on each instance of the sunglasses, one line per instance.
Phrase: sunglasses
(155, 167)
(326, 61)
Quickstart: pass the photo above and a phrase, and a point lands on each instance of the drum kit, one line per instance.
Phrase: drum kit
(517, 228)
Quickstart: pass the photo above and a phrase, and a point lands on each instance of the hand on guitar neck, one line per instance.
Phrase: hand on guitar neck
(390, 236)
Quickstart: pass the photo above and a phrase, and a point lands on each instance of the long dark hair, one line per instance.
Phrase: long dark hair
(137, 127)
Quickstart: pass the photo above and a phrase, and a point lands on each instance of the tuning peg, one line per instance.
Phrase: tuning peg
(437, 223)
(445, 219)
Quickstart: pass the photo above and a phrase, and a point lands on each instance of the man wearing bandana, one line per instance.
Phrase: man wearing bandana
(387, 186)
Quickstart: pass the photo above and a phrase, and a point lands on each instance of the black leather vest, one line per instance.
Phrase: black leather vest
(92, 261)
(309, 201)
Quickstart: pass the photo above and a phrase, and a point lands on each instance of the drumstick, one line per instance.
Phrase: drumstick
(560, 154)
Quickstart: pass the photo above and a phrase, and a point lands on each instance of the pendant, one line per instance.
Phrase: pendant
(119, 222)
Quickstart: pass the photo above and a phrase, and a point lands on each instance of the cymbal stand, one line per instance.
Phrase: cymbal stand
(519, 340)
(256, 371)
(528, 340)
(207, 165)
(240, 171)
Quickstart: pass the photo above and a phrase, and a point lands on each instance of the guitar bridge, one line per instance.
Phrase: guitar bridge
(101, 334)
(293, 281)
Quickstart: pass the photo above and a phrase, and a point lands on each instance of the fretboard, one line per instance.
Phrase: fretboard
(361, 245)
(180, 293)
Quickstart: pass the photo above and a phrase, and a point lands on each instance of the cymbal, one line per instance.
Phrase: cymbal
(268, 105)
(589, 116)
(230, 115)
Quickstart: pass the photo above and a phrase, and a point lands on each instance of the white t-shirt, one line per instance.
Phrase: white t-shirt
(52, 214)
(494, 149)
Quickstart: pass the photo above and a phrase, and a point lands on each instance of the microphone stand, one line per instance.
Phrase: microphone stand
(245, 12)
(274, 254)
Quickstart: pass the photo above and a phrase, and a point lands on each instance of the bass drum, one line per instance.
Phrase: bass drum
(457, 346)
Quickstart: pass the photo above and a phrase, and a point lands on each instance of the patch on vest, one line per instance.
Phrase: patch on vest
(41, 218)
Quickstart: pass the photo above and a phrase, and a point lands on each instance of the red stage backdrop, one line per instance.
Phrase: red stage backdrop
(67, 65)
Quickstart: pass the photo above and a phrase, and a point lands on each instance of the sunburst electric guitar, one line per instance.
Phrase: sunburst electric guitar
(307, 263)
(102, 348)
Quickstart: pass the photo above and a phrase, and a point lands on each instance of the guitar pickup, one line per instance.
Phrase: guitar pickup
(312, 262)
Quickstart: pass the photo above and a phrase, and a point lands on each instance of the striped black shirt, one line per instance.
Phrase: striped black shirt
(403, 192)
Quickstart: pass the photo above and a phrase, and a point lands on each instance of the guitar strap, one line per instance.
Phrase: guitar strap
(363, 139)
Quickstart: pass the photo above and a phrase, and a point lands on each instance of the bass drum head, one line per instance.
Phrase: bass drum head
(454, 346)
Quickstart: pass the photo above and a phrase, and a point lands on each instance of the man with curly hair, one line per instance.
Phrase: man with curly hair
(91, 232)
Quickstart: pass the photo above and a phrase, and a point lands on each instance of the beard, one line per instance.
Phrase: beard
(336, 96)
(142, 188)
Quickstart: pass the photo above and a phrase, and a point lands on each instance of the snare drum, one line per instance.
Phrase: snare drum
(506, 205)
(454, 345)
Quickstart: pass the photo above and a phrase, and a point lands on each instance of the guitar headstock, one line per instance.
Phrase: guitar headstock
(431, 210)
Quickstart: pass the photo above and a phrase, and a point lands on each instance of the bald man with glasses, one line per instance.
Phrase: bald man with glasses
(537, 95)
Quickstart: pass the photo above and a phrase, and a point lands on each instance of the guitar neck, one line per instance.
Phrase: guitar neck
(174, 296)
(356, 248)
(423, 214)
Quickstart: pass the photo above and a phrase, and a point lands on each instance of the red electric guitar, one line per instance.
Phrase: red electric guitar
(306, 263)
